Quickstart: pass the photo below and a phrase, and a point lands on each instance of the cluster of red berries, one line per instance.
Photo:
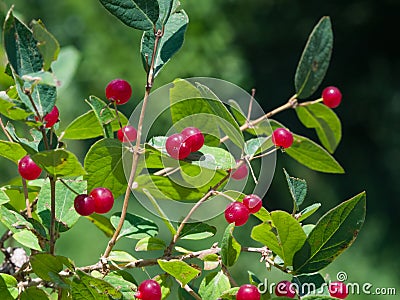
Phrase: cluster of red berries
(239, 212)
(100, 200)
(180, 145)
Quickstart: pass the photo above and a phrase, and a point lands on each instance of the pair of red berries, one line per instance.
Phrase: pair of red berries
(100, 200)
(239, 212)
(180, 145)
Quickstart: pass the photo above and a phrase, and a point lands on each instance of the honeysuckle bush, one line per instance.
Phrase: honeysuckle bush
(37, 209)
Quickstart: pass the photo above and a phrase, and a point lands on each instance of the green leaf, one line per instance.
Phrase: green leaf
(165, 281)
(87, 126)
(66, 216)
(214, 285)
(201, 108)
(103, 223)
(213, 158)
(104, 115)
(3, 197)
(258, 145)
(12, 151)
(66, 65)
(308, 211)
(313, 156)
(139, 14)
(121, 256)
(34, 293)
(169, 44)
(11, 108)
(177, 188)
(30, 146)
(135, 227)
(314, 61)
(197, 231)
(44, 264)
(13, 220)
(307, 228)
(283, 235)
(59, 163)
(297, 188)
(229, 294)
(165, 10)
(27, 239)
(104, 166)
(333, 234)
(47, 44)
(180, 270)
(230, 248)
(150, 244)
(8, 287)
(88, 287)
(325, 121)
(24, 58)
(125, 287)
(308, 283)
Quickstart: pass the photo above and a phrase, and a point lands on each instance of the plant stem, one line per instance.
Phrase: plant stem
(291, 103)
(5, 130)
(53, 214)
(136, 153)
(28, 205)
(191, 292)
(68, 187)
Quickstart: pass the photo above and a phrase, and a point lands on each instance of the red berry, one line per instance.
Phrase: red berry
(51, 118)
(176, 146)
(285, 289)
(237, 212)
(149, 290)
(282, 137)
(103, 200)
(127, 134)
(331, 96)
(193, 138)
(84, 205)
(338, 289)
(28, 169)
(248, 292)
(240, 172)
(253, 203)
(118, 90)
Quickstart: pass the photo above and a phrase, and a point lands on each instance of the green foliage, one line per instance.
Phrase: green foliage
(37, 213)
(315, 59)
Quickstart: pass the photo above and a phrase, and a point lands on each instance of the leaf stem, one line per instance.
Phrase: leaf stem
(53, 214)
(5, 130)
(136, 153)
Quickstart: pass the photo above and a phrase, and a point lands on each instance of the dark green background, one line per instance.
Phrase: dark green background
(257, 44)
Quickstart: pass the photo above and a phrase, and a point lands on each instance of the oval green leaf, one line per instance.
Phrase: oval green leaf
(59, 163)
(104, 166)
(314, 61)
(139, 14)
(333, 234)
(134, 226)
(12, 151)
(180, 270)
(150, 244)
(313, 156)
(283, 235)
(214, 285)
(8, 287)
(325, 121)
(230, 248)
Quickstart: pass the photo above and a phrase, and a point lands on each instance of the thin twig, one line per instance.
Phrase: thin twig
(191, 292)
(136, 154)
(68, 187)
(53, 214)
(5, 130)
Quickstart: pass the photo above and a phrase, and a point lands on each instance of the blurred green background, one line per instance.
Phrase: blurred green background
(257, 44)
